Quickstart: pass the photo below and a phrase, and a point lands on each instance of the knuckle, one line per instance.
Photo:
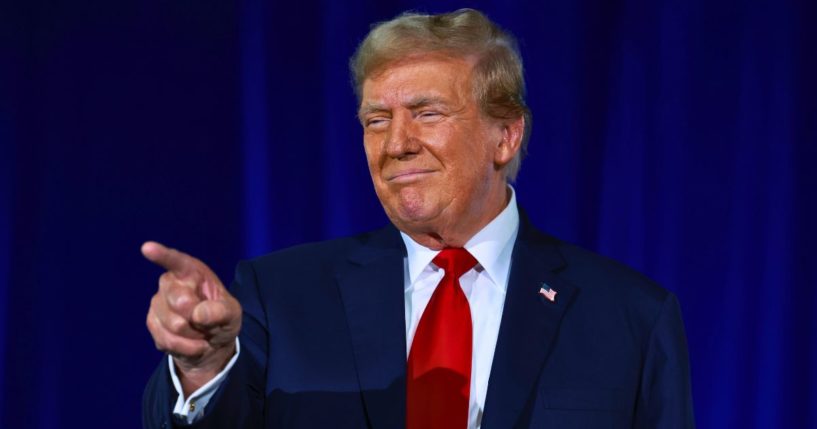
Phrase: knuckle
(171, 344)
(153, 324)
(149, 321)
(155, 302)
(156, 332)
(179, 298)
(176, 324)
(159, 340)
(193, 279)
(166, 280)
(157, 307)
(161, 345)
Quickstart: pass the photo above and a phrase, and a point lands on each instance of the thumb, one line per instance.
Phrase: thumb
(211, 288)
(214, 313)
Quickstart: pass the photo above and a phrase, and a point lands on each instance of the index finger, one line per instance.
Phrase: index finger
(170, 259)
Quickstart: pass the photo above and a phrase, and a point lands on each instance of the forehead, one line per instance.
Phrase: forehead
(433, 76)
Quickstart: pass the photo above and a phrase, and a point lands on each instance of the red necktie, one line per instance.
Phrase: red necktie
(439, 364)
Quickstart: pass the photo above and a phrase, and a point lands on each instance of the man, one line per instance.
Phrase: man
(461, 314)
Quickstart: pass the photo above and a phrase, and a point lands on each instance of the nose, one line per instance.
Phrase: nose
(402, 139)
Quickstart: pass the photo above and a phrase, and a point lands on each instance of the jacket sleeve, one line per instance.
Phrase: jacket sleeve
(239, 401)
(665, 396)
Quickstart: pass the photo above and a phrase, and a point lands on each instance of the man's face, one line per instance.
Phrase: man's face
(435, 159)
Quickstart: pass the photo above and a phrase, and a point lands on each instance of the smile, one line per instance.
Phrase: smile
(408, 176)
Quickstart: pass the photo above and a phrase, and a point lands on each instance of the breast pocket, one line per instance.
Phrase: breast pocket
(586, 399)
(583, 408)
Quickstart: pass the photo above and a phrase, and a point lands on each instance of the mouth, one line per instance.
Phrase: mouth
(408, 176)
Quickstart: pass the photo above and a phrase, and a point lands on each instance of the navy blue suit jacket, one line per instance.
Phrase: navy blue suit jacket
(324, 343)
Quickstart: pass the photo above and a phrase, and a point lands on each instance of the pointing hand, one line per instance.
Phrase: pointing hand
(192, 316)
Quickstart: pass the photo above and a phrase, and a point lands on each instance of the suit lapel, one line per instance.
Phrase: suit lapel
(530, 324)
(371, 287)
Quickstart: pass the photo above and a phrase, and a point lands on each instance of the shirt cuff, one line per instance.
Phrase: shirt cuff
(192, 408)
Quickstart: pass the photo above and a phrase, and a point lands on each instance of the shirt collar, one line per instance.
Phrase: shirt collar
(491, 246)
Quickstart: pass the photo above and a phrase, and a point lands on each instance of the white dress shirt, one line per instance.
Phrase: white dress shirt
(192, 408)
(484, 287)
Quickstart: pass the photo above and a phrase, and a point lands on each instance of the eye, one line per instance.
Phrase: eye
(429, 115)
(377, 123)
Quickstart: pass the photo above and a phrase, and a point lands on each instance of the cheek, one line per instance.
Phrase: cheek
(372, 153)
(473, 157)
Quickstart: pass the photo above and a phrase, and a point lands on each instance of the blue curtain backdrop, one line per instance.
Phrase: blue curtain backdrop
(677, 136)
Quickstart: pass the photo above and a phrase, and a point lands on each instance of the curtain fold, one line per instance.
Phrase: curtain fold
(677, 137)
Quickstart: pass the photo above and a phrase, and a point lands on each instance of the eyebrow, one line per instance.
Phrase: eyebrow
(423, 101)
(414, 103)
(370, 108)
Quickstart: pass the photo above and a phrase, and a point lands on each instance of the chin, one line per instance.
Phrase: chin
(411, 206)
(411, 213)
(411, 218)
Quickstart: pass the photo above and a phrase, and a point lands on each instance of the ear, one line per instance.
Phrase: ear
(511, 141)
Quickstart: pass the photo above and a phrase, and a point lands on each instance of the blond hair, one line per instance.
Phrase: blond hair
(499, 85)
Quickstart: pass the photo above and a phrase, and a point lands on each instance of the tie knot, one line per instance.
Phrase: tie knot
(455, 261)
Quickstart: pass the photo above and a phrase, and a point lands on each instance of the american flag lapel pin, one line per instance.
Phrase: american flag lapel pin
(547, 292)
